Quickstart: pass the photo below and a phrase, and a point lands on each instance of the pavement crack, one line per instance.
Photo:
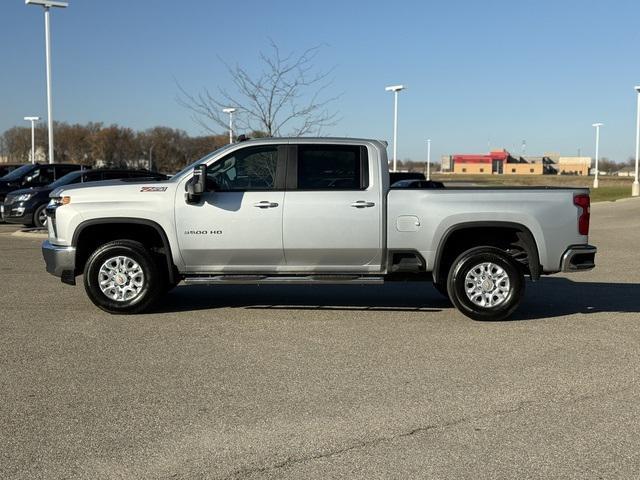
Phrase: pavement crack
(290, 461)
(244, 472)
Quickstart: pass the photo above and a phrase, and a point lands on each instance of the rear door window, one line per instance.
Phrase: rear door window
(332, 167)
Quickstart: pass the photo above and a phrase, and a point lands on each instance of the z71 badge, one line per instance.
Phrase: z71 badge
(153, 189)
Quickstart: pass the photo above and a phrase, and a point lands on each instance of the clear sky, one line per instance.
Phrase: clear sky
(477, 72)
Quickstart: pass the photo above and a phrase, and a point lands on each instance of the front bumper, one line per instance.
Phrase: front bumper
(60, 261)
(16, 216)
(17, 212)
(578, 258)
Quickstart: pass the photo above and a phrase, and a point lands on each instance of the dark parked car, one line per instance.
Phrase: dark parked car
(34, 175)
(417, 184)
(6, 168)
(397, 176)
(27, 206)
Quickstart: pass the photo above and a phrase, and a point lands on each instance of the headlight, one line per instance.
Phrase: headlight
(24, 197)
(59, 201)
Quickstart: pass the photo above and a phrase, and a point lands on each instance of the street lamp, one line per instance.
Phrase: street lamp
(33, 121)
(635, 189)
(151, 157)
(597, 127)
(429, 160)
(47, 4)
(230, 112)
(395, 89)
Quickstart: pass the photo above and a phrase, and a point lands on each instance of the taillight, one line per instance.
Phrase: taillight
(584, 203)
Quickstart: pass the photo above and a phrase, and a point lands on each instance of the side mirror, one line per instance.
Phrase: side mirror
(196, 186)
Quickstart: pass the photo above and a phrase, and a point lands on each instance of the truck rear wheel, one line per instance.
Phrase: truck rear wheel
(122, 277)
(485, 283)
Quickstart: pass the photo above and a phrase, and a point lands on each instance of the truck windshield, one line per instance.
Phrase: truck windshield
(18, 173)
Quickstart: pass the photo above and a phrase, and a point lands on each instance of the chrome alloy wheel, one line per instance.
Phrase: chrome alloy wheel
(487, 285)
(121, 278)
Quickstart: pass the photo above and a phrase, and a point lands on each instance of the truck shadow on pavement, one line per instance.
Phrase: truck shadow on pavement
(556, 296)
(550, 297)
(396, 297)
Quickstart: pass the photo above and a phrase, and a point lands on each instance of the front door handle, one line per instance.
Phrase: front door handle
(265, 204)
(362, 204)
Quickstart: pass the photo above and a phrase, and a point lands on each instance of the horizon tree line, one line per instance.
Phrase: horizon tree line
(165, 149)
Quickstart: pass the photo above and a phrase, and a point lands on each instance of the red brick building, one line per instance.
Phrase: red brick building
(493, 162)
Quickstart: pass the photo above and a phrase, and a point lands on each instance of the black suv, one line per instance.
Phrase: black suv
(34, 175)
(8, 167)
(27, 206)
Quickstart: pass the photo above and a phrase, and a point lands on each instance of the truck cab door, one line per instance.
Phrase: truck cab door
(237, 224)
(333, 211)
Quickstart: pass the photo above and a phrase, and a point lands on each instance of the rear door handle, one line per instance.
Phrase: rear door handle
(362, 204)
(265, 204)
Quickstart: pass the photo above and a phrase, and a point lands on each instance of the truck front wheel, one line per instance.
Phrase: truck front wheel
(485, 283)
(122, 277)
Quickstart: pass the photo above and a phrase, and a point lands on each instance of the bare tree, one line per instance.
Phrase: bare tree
(287, 97)
(17, 143)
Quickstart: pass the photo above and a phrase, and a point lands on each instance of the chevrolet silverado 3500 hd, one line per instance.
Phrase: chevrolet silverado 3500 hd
(311, 211)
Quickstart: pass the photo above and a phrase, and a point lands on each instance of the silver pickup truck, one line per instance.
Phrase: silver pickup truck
(311, 211)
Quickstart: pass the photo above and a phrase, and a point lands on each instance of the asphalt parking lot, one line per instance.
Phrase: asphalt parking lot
(324, 382)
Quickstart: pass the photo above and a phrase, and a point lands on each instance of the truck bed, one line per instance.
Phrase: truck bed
(419, 219)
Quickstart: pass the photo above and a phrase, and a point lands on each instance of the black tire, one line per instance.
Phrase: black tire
(506, 298)
(152, 280)
(40, 217)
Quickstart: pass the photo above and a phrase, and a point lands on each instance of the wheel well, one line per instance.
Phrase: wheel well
(516, 240)
(91, 236)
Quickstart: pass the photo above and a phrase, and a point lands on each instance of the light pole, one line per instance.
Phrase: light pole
(429, 160)
(635, 189)
(47, 4)
(230, 112)
(395, 89)
(151, 157)
(33, 121)
(597, 127)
